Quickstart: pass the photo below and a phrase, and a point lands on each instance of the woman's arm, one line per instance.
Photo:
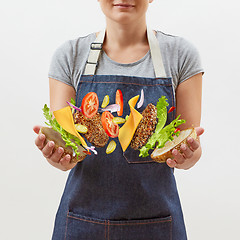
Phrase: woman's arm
(59, 94)
(188, 104)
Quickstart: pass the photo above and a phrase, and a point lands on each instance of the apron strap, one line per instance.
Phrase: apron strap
(95, 51)
(96, 48)
(156, 54)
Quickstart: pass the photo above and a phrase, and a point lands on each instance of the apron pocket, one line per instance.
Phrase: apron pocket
(132, 156)
(84, 228)
(154, 229)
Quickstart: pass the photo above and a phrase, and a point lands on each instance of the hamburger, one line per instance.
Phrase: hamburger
(64, 129)
(151, 134)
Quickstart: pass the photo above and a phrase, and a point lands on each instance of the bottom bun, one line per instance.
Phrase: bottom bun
(162, 154)
(52, 135)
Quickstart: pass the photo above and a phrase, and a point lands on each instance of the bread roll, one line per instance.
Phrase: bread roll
(162, 154)
(52, 135)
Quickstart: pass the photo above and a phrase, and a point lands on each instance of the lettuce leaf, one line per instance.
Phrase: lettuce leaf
(69, 139)
(161, 113)
(161, 135)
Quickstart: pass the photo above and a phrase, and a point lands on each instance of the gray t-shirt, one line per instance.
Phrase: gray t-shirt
(180, 58)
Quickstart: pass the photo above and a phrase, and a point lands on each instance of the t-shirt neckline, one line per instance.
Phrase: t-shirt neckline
(125, 64)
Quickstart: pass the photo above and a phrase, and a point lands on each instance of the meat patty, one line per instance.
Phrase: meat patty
(145, 128)
(95, 134)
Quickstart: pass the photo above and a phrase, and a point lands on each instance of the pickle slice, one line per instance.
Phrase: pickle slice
(81, 128)
(118, 120)
(105, 101)
(111, 147)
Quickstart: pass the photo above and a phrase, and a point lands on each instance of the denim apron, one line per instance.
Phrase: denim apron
(121, 196)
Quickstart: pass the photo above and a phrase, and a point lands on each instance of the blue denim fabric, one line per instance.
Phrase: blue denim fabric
(121, 196)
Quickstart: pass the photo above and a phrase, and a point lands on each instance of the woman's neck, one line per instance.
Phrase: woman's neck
(125, 35)
(126, 43)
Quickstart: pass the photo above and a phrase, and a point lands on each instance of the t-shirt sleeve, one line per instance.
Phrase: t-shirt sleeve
(61, 64)
(189, 61)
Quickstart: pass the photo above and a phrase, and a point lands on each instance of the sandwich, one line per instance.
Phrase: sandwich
(150, 135)
(69, 124)
(152, 132)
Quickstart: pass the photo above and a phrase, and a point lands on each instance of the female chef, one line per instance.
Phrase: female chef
(121, 195)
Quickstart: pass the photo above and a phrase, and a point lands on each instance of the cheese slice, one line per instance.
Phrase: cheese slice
(65, 119)
(127, 131)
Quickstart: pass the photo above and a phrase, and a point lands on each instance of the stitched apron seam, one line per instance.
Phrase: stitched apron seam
(129, 83)
(172, 97)
(171, 229)
(140, 223)
(66, 226)
(120, 224)
(85, 220)
(105, 223)
(149, 161)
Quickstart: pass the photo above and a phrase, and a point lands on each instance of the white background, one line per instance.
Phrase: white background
(31, 188)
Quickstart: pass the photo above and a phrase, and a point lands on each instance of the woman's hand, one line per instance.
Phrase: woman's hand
(189, 153)
(53, 157)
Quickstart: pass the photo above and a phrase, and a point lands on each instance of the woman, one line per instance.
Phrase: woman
(116, 196)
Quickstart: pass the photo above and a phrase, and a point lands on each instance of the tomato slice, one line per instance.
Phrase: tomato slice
(177, 130)
(171, 109)
(88, 153)
(119, 101)
(111, 128)
(90, 104)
